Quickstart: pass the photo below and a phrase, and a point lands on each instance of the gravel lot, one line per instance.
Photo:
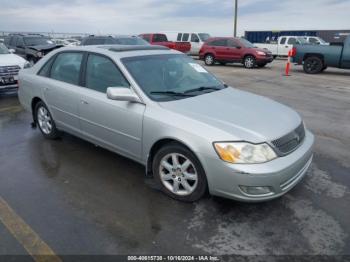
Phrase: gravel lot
(81, 199)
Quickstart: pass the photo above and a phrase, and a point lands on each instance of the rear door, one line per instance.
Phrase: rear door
(61, 79)
(116, 125)
(220, 49)
(20, 47)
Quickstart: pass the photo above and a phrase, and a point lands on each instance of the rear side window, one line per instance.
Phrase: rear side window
(179, 36)
(194, 38)
(313, 40)
(292, 41)
(102, 73)
(160, 38)
(283, 41)
(66, 68)
(7, 40)
(185, 37)
(13, 41)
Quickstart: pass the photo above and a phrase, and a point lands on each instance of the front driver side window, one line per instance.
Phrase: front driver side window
(66, 67)
(102, 73)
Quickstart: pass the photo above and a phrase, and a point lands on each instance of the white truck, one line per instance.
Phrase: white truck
(196, 39)
(286, 43)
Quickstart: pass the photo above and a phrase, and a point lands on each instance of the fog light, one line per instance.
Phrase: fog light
(256, 190)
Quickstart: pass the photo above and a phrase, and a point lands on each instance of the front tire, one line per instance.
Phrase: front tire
(179, 173)
(45, 121)
(249, 62)
(209, 60)
(313, 65)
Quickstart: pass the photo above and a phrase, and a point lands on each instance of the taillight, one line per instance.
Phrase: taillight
(293, 52)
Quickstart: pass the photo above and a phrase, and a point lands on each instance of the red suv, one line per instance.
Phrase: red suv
(234, 50)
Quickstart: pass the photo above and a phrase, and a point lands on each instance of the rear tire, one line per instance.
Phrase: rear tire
(249, 62)
(313, 65)
(179, 173)
(45, 121)
(209, 60)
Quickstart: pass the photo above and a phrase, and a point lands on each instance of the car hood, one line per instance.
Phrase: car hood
(44, 47)
(11, 59)
(241, 115)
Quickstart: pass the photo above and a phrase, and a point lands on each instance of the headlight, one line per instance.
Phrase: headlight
(260, 53)
(244, 153)
(26, 65)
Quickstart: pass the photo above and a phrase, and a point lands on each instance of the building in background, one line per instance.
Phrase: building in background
(331, 36)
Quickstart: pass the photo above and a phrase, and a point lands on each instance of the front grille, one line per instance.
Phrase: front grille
(6, 71)
(291, 141)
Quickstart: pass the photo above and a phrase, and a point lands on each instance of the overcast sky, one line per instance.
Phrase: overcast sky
(140, 16)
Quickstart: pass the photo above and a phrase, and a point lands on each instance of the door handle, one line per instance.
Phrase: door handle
(84, 102)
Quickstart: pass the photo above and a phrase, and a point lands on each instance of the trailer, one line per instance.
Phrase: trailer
(331, 36)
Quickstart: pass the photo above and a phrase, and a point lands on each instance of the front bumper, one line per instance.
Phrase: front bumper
(8, 88)
(279, 175)
(264, 59)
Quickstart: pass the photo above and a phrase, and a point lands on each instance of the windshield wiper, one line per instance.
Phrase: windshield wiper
(203, 88)
(171, 93)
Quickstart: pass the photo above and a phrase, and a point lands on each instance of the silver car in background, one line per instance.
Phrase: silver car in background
(162, 109)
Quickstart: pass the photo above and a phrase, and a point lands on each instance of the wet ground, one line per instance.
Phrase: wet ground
(82, 199)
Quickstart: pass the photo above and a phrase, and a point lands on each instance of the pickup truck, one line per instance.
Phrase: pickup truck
(161, 39)
(316, 58)
(283, 45)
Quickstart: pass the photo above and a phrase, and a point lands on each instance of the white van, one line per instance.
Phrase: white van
(196, 39)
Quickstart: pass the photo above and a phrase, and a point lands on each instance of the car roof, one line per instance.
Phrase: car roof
(121, 51)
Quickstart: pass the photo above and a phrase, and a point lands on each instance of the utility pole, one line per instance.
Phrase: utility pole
(235, 22)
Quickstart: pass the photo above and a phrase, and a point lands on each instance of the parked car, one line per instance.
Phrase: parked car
(194, 38)
(10, 64)
(113, 40)
(162, 40)
(234, 50)
(31, 47)
(316, 58)
(66, 42)
(283, 46)
(162, 109)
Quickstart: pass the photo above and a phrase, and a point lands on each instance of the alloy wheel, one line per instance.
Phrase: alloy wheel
(44, 120)
(178, 174)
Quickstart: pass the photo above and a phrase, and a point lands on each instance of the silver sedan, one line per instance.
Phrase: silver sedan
(193, 133)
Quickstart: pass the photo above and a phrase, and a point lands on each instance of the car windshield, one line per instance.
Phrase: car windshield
(204, 37)
(171, 77)
(37, 41)
(246, 43)
(131, 41)
(4, 50)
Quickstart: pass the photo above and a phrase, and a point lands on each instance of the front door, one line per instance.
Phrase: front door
(116, 125)
(195, 44)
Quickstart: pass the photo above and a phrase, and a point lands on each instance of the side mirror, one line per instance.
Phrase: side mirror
(122, 94)
(12, 51)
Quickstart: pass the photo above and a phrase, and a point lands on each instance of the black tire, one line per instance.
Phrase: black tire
(313, 65)
(51, 133)
(249, 62)
(175, 148)
(262, 65)
(209, 59)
